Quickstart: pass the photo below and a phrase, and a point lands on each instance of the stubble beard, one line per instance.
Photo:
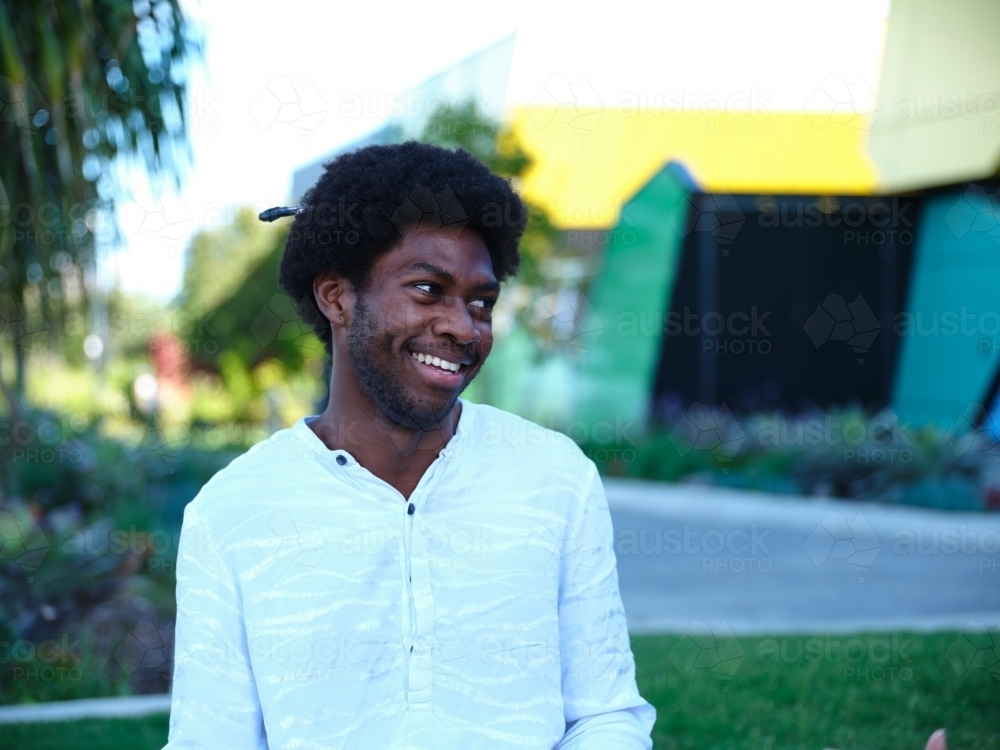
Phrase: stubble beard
(380, 381)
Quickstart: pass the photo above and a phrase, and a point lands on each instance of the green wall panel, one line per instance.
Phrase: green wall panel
(950, 331)
(637, 277)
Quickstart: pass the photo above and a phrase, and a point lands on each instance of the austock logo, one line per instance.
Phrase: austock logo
(976, 211)
(162, 432)
(45, 440)
(836, 538)
(837, 320)
(704, 648)
(579, 546)
(710, 429)
(715, 213)
(559, 101)
(148, 217)
(17, 102)
(447, 647)
(287, 544)
(863, 659)
(284, 101)
(279, 321)
(22, 542)
(975, 430)
(423, 209)
(566, 319)
(837, 97)
(977, 647)
(15, 326)
(147, 647)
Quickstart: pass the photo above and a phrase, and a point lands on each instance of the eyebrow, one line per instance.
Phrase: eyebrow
(447, 277)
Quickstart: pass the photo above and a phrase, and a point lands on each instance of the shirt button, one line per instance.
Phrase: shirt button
(341, 460)
(410, 509)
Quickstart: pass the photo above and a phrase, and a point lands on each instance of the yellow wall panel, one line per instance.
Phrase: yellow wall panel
(589, 162)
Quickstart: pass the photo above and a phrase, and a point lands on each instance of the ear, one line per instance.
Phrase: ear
(334, 297)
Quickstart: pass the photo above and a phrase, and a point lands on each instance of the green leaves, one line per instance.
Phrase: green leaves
(83, 85)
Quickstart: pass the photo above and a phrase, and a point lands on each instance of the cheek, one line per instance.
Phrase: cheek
(405, 319)
(486, 342)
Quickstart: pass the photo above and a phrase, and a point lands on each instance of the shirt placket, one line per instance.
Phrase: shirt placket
(421, 615)
(417, 616)
(420, 596)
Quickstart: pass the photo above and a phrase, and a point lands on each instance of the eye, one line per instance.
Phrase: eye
(483, 304)
(425, 286)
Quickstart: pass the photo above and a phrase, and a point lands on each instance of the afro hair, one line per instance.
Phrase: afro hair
(367, 199)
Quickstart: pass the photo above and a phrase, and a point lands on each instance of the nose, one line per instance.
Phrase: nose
(456, 322)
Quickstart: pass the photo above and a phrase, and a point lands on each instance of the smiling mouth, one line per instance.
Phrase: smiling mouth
(437, 363)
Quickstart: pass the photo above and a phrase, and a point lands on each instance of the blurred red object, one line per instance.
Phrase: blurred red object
(170, 361)
(993, 498)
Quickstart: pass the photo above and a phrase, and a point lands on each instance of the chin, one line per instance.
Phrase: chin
(427, 416)
(420, 413)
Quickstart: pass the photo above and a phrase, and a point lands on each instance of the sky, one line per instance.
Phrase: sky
(332, 56)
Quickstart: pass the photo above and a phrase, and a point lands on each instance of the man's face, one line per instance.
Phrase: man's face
(422, 329)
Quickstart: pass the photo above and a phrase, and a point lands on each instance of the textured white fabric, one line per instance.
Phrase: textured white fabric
(314, 611)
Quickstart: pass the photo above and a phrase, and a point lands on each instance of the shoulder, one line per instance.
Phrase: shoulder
(266, 470)
(525, 444)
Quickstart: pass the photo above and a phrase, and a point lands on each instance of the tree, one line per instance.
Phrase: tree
(231, 305)
(85, 85)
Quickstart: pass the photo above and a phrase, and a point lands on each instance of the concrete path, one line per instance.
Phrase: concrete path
(88, 708)
(760, 563)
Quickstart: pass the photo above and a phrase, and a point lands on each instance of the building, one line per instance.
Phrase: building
(843, 254)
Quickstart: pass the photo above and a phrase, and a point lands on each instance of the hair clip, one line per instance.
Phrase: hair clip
(279, 211)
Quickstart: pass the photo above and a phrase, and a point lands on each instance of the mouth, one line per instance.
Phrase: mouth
(440, 371)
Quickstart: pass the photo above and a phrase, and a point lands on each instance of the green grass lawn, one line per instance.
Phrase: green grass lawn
(147, 733)
(854, 692)
(887, 691)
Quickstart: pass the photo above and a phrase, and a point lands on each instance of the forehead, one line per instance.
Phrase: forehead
(464, 255)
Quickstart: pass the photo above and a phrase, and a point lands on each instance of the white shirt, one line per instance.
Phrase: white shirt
(318, 608)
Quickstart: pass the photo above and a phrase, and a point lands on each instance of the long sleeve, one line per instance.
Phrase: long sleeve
(214, 704)
(602, 705)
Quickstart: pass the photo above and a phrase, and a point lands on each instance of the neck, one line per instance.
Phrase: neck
(396, 454)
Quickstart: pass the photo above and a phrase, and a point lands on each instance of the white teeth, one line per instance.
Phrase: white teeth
(436, 361)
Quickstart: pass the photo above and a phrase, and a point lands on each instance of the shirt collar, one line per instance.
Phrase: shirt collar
(301, 430)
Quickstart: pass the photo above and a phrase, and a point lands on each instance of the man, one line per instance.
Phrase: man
(408, 569)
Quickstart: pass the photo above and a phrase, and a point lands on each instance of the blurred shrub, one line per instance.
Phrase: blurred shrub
(840, 454)
(232, 304)
(79, 506)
